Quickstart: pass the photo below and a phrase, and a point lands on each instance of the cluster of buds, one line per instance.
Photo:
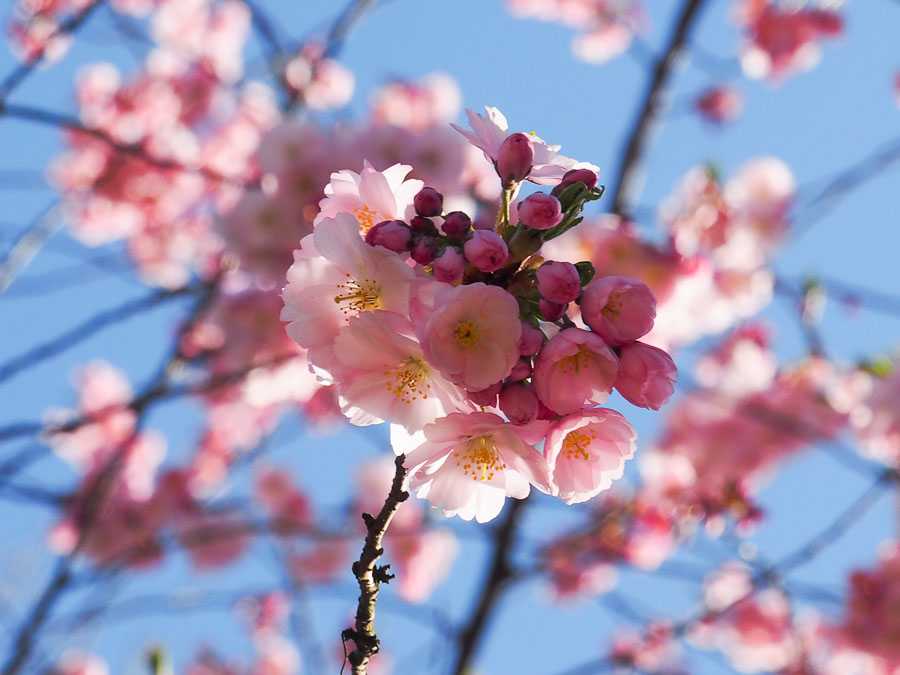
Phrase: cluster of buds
(476, 349)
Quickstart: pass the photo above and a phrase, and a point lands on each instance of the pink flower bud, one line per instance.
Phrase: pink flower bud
(519, 403)
(572, 176)
(485, 397)
(456, 224)
(573, 368)
(646, 375)
(486, 250)
(618, 309)
(520, 371)
(558, 282)
(531, 341)
(449, 266)
(394, 235)
(428, 202)
(551, 311)
(540, 211)
(424, 250)
(515, 158)
(720, 104)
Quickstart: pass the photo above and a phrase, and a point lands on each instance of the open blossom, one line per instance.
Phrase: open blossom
(618, 309)
(575, 367)
(586, 452)
(472, 337)
(489, 132)
(384, 374)
(784, 40)
(468, 464)
(371, 196)
(336, 276)
(646, 375)
(877, 421)
(77, 663)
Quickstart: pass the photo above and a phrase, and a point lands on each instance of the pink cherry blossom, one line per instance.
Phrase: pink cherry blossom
(473, 335)
(646, 375)
(488, 133)
(468, 464)
(383, 374)
(336, 276)
(575, 367)
(370, 196)
(618, 309)
(587, 452)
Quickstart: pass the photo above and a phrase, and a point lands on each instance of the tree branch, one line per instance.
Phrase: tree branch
(499, 575)
(369, 575)
(626, 183)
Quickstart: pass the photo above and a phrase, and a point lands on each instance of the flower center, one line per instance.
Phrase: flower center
(409, 380)
(613, 305)
(577, 444)
(466, 334)
(479, 458)
(365, 217)
(578, 361)
(358, 296)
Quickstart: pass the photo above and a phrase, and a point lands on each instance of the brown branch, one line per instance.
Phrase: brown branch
(626, 182)
(500, 574)
(369, 575)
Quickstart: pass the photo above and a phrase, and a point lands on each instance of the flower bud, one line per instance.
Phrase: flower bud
(572, 176)
(485, 397)
(456, 224)
(540, 211)
(515, 159)
(486, 250)
(558, 282)
(646, 375)
(519, 403)
(428, 202)
(551, 311)
(520, 371)
(424, 250)
(449, 266)
(422, 225)
(531, 341)
(394, 235)
(618, 309)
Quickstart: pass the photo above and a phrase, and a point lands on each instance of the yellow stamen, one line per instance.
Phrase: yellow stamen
(365, 217)
(358, 296)
(409, 380)
(466, 334)
(479, 458)
(578, 361)
(577, 443)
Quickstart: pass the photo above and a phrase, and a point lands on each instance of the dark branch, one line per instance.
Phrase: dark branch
(499, 575)
(626, 182)
(369, 575)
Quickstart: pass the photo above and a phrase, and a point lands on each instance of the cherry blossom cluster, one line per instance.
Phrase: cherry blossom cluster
(606, 27)
(458, 332)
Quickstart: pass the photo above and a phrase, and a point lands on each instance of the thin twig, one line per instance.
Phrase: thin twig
(626, 181)
(369, 575)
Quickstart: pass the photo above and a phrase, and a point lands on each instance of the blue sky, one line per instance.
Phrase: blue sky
(818, 122)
